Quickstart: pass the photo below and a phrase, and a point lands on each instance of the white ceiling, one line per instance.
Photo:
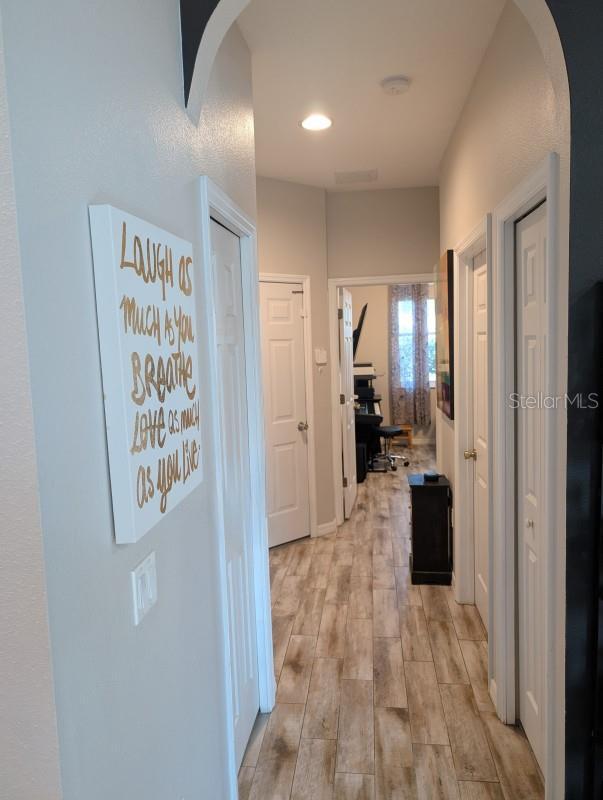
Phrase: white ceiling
(330, 55)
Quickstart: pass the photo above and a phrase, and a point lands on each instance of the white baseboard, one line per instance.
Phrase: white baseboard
(422, 440)
(327, 527)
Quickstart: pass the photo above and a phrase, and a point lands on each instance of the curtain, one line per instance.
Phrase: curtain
(408, 362)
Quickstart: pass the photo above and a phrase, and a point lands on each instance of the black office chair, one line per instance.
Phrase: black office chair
(388, 433)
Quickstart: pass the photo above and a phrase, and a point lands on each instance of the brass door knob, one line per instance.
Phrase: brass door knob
(470, 454)
(302, 426)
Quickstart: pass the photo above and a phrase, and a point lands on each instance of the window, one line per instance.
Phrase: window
(406, 341)
(431, 340)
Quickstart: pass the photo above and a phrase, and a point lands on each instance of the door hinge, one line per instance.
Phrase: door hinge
(345, 483)
(342, 399)
(340, 313)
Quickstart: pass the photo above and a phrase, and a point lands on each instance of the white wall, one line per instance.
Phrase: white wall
(29, 748)
(511, 119)
(96, 111)
(292, 240)
(383, 232)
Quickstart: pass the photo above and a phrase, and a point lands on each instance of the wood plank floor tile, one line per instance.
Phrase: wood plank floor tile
(382, 543)
(466, 618)
(383, 572)
(475, 655)
(363, 561)
(470, 749)
(435, 602)
(331, 636)
(435, 773)
(358, 658)
(302, 552)
(424, 703)
(277, 576)
(309, 613)
(315, 770)
(401, 551)
(252, 751)
(338, 590)
(281, 631)
(447, 656)
(276, 764)
(355, 741)
(318, 574)
(386, 620)
(297, 668)
(361, 597)
(414, 634)
(246, 775)
(322, 705)
(325, 545)
(289, 596)
(394, 773)
(343, 554)
(407, 593)
(390, 684)
(517, 768)
(471, 790)
(354, 787)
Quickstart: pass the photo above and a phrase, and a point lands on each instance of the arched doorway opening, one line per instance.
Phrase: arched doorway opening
(542, 24)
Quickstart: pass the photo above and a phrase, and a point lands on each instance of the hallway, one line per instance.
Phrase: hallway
(381, 684)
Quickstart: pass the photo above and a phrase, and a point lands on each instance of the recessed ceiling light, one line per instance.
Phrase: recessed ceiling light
(316, 122)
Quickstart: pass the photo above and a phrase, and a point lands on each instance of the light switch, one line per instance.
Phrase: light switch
(144, 587)
(320, 356)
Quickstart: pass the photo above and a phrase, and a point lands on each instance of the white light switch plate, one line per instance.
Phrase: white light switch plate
(144, 587)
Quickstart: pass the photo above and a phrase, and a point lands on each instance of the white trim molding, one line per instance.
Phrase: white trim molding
(269, 277)
(542, 185)
(333, 285)
(464, 536)
(327, 527)
(214, 203)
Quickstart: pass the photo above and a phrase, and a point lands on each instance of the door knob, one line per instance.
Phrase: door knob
(302, 426)
(470, 454)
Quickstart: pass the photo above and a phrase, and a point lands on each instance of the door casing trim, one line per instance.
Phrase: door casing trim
(270, 277)
(542, 184)
(464, 539)
(216, 203)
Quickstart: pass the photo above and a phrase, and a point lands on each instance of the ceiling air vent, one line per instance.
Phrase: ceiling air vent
(360, 176)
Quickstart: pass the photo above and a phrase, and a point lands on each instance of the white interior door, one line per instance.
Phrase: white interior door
(348, 412)
(530, 256)
(480, 432)
(286, 427)
(232, 419)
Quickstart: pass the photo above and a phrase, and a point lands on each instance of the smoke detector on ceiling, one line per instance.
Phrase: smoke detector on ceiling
(395, 84)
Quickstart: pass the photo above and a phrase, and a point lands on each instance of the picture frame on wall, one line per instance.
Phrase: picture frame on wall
(445, 334)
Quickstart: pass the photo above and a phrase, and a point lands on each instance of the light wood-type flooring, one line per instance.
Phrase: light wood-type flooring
(381, 684)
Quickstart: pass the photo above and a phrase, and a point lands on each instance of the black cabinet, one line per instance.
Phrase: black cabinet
(431, 504)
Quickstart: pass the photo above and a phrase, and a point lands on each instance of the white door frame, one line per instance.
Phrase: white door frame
(270, 277)
(464, 535)
(334, 284)
(214, 203)
(541, 185)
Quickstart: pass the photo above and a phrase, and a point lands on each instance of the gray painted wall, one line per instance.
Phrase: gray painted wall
(97, 116)
(29, 751)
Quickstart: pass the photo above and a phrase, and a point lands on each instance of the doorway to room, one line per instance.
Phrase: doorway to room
(383, 381)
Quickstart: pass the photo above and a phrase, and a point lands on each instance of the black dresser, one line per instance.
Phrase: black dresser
(431, 507)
